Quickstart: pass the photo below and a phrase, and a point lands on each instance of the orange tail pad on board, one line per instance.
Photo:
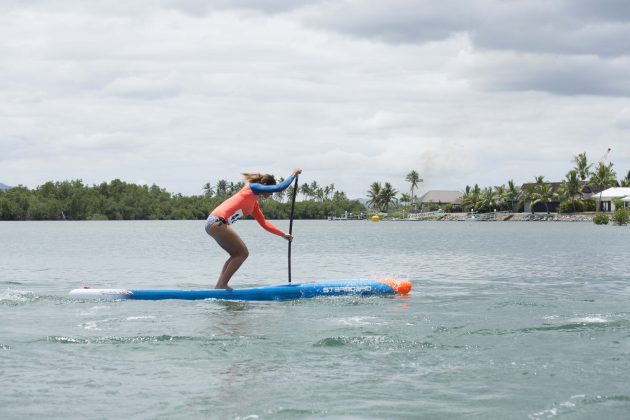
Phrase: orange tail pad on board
(398, 285)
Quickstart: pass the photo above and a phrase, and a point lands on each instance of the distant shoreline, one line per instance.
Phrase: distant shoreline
(499, 217)
(419, 217)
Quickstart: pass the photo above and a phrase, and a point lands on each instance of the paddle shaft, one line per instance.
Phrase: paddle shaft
(295, 187)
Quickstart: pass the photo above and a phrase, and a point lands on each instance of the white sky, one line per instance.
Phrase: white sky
(182, 92)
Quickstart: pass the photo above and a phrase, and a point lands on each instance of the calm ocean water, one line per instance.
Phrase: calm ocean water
(506, 320)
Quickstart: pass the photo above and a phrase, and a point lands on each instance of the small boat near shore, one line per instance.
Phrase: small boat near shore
(348, 216)
(481, 217)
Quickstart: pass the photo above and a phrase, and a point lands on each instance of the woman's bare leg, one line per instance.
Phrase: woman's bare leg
(224, 267)
(229, 240)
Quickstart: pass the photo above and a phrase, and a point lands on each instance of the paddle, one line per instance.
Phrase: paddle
(295, 187)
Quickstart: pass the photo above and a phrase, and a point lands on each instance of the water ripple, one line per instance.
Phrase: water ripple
(143, 339)
(11, 297)
(375, 342)
(578, 326)
(577, 403)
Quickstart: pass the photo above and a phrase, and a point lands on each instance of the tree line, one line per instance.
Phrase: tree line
(119, 200)
(569, 193)
(309, 191)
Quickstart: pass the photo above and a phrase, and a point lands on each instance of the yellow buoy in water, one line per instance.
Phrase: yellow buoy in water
(375, 218)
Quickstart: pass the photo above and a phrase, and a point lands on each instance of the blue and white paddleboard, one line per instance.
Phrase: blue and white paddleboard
(281, 292)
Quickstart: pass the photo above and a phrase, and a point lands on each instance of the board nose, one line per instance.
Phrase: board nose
(400, 286)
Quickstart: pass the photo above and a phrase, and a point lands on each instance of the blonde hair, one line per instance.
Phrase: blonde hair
(257, 177)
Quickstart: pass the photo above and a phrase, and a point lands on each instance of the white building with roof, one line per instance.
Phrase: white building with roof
(606, 197)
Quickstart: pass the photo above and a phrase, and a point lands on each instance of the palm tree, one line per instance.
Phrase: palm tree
(388, 196)
(582, 166)
(339, 196)
(528, 197)
(626, 181)
(288, 192)
(222, 187)
(414, 179)
(305, 190)
(329, 190)
(499, 196)
(314, 187)
(470, 201)
(487, 199)
(537, 193)
(542, 193)
(319, 194)
(233, 188)
(405, 198)
(512, 193)
(603, 177)
(561, 195)
(374, 194)
(571, 186)
(208, 191)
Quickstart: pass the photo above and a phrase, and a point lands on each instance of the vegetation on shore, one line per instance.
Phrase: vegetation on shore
(570, 193)
(118, 200)
(620, 217)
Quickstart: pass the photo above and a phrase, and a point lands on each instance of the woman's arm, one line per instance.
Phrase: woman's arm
(268, 226)
(268, 189)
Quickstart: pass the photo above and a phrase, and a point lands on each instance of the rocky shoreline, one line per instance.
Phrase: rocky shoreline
(501, 217)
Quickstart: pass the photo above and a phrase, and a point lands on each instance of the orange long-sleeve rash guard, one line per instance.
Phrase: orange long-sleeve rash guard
(245, 203)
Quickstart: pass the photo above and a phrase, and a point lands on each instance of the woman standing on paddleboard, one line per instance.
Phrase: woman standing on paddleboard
(243, 203)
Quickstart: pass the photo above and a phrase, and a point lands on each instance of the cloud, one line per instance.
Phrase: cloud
(207, 6)
(142, 88)
(181, 93)
(622, 120)
(572, 75)
(396, 21)
(142, 8)
(564, 27)
(563, 47)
